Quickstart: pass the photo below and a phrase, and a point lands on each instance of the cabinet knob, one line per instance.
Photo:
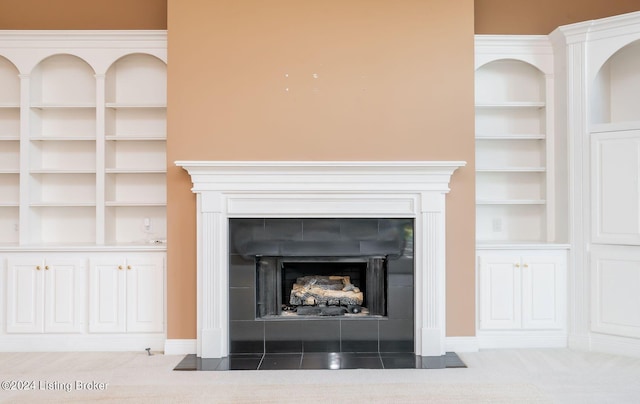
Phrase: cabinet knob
(38, 267)
(129, 267)
(526, 265)
(46, 267)
(516, 265)
(120, 267)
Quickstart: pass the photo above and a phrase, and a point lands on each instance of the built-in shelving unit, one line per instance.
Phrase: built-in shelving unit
(513, 128)
(83, 136)
(135, 150)
(82, 190)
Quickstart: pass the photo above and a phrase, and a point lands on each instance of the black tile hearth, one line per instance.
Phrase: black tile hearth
(321, 361)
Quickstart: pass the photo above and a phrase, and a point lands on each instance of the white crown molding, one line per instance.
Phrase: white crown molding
(83, 38)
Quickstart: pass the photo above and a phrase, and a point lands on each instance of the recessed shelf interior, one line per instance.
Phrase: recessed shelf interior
(62, 225)
(510, 153)
(9, 83)
(137, 79)
(512, 223)
(509, 80)
(506, 186)
(9, 155)
(137, 122)
(9, 189)
(616, 88)
(510, 121)
(62, 189)
(136, 155)
(51, 80)
(136, 188)
(63, 122)
(128, 224)
(9, 220)
(57, 155)
(9, 122)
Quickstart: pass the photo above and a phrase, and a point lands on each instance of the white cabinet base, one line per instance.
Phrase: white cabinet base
(82, 343)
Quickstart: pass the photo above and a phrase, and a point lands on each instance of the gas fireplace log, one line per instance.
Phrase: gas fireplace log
(326, 290)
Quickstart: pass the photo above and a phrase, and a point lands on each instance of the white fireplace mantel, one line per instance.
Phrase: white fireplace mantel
(409, 189)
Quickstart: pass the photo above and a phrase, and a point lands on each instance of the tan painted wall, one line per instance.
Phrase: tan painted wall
(83, 14)
(543, 16)
(394, 82)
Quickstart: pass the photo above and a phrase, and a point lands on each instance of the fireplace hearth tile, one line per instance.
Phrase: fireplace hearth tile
(240, 362)
(283, 337)
(321, 361)
(281, 361)
(321, 336)
(359, 336)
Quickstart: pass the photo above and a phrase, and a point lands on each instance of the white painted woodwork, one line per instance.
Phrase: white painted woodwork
(410, 189)
(44, 295)
(145, 294)
(82, 138)
(499, 297)
(521, 290)
(25, 295)
(515, 140)
(601, 59)
(107, 291)
(82, 177)
(127, 294)
(615, 272)
(615, 183)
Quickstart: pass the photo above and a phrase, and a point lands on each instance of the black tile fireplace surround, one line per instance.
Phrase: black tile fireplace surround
(250, 239)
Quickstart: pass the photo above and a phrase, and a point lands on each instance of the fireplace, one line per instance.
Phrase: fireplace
(321, 285)
(298, 191)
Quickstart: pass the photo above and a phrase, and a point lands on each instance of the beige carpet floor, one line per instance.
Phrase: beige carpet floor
(500, 376)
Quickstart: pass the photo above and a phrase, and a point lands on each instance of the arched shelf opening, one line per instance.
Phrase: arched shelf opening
(614, 98)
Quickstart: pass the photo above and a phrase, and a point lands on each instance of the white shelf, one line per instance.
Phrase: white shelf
(62, 138)
(511, 169)
(134, 171)
(533, 136)
(114, 105)
(62, 204)
(137, 138)
(511, 104)
(63, 106)
(510, 202)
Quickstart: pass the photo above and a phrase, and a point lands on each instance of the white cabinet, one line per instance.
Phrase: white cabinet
(515, 161)
(127, 294)
(521, 290)
(82, 138)
(44, 295)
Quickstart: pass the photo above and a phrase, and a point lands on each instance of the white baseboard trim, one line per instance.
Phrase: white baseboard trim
(615, 345)
(180, 346)
(82, 343)
(579, 342)
(532, 339)
(461, 344)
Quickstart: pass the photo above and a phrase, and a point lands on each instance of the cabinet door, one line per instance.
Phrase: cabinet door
(145, 294)
(25, 295)
(63, 295)
(107, 295)
(543, 284)
(499, 292)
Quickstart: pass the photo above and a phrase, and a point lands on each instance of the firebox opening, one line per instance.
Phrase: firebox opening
(317, 287)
